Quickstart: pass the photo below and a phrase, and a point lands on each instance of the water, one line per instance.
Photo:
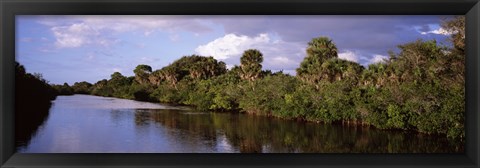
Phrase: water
(91, 124)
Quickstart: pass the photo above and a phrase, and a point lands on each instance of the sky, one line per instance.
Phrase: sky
(90, 48)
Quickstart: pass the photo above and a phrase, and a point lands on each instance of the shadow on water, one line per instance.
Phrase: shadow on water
(28, 119)
(252, 134)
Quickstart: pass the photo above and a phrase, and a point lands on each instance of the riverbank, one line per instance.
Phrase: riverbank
(94, 124)
(298, 119)
(33, 96)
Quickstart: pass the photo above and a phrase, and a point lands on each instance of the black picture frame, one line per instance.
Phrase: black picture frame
(10, 8)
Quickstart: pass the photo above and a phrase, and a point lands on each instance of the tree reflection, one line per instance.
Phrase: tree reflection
(252, 134)
(142, 117)
(28, 120)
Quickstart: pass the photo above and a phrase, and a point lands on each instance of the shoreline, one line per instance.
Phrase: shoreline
(348, 123)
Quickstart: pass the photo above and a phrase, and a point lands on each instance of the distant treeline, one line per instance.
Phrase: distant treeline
(419, 88)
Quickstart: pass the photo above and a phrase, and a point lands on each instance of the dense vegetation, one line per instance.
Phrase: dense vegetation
(33, 97)
(419, 88)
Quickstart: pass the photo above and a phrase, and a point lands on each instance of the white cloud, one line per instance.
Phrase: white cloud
(355, 57)
(349, 55)
(231, 45)
(277, 54)
(437, 31)
(145, 24)
(378, 58)
(74, 35)
(76, 31)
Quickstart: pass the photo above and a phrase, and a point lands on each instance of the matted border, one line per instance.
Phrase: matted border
(10, 8)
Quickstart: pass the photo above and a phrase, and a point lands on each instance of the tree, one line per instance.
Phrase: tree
(117, 80)
(82, 87)
(19, 70)
(102, 88)
(250, 64)
(64, 89)
(319, 50)
(456, 57)
(120, 85)
(141, 73)
(170, 74)
(322, 48)
(268, 96)
(189, 67)
(336, 69)
(116, 76)
(215, 68)
(155, 78)
(32, 102)
(196, 70)
(456, 27)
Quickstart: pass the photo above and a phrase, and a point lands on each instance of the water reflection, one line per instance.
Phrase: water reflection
(28, 120)
(93, 124)
(247, 133)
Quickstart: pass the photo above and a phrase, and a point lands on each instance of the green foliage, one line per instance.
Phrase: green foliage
(456, 26)
(189, 68)
(141, 73)
(312, 68)
(322, 48)
(395, 117)
(202, 96)
(250, 64)
(300, 103)
(219, 93)
(64, 89)
(266, 96)
(166, 94)
(101, 88)
(82, 87)
(123, 87)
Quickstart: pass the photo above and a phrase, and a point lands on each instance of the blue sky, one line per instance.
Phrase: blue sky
(90, 48)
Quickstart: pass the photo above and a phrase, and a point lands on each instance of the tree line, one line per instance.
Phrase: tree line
(33, 96)
(421, 87)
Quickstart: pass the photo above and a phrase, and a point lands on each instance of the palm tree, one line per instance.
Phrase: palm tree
(353, 71)
(250, 64)
(323, 48)
(311, 69)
